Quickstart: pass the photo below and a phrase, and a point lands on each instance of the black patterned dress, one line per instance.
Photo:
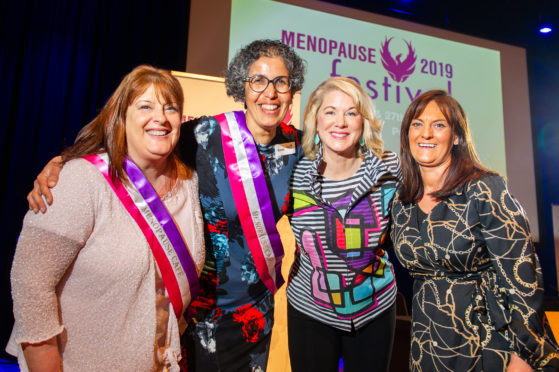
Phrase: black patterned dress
(477, 292)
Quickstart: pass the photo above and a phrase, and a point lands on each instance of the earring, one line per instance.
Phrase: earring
(316, 139)
(361, 142)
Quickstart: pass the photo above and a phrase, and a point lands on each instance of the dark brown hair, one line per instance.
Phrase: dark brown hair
(237, 71)
(107, 132)
(464, 165)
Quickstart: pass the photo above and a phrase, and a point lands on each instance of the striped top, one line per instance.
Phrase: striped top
(341, 275)
(333, 190)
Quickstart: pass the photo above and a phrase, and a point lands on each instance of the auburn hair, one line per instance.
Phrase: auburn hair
(107, 131)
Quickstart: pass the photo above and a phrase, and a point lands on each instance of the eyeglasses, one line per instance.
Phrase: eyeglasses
(259, 83)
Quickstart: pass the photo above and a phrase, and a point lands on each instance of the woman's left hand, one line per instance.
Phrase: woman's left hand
(518, 365)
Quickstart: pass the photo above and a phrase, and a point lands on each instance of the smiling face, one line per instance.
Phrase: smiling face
(266, 110)
(152, 128)
(339, 125)
(431, 138)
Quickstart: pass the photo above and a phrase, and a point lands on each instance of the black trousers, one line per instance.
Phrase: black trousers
(315, 346)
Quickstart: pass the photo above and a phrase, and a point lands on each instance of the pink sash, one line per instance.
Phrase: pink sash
(169, 249)
(252, 198)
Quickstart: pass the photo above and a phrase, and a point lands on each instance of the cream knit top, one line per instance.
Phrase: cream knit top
(85, 273)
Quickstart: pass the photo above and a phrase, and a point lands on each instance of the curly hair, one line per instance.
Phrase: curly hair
(372, 126)
(237, 71)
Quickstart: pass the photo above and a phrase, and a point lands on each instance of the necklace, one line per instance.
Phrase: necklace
(166, 182)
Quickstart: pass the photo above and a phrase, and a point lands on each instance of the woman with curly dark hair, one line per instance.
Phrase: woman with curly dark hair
(477, 294)
(244, 161)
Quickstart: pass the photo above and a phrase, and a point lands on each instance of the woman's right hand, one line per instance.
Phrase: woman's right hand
(43, 356)
(47, 179)
(516, 364)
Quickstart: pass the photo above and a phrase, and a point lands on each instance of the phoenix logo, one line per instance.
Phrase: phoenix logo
(397, 69)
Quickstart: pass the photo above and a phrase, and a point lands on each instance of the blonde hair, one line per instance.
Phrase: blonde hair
(372, 126)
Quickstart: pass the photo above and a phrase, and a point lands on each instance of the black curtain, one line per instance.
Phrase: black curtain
(59, 62)
(543, 72)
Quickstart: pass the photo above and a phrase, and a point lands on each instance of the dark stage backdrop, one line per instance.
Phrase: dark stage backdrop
(59, 62)
(543, 74)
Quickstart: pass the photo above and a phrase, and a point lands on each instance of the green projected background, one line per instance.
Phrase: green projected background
(393, 65)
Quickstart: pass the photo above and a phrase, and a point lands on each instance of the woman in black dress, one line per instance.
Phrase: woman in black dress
(478, 296)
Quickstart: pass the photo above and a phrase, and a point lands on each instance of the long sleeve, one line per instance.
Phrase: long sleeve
(506, 232)
(47, 246)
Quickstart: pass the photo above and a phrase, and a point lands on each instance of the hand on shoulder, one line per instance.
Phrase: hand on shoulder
(47, 179)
